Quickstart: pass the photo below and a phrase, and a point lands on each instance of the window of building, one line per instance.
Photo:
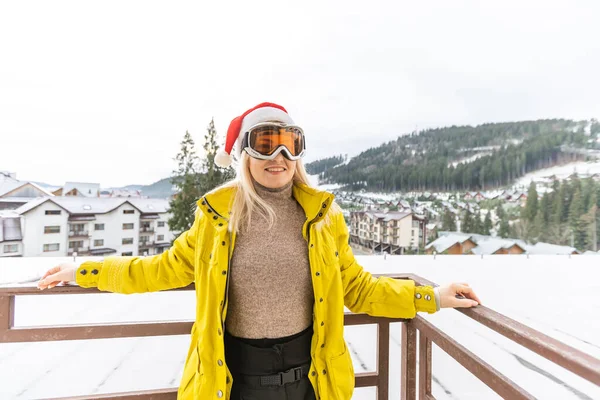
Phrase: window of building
(127, 226)
(99, 242)
(77, 244)
(98, 227)
(51, 247)
(128, 211)
(52, 229)
(52, 212)
(11, 248)
(415, 224)
(161, 224)
(127, 253)
(160, 238)
(127, 241)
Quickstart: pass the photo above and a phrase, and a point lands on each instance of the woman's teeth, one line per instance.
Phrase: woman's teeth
(275, 169)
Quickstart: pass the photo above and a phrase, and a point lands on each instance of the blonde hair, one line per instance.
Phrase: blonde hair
(246, 201)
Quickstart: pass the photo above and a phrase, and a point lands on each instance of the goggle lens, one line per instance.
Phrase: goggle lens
(267, 139)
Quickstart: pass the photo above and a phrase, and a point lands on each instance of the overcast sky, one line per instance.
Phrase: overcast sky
(104, 91)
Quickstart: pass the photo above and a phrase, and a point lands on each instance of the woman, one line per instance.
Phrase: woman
(273, 271)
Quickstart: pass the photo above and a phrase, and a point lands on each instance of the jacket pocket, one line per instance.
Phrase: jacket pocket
(342, 375)
(191, 373)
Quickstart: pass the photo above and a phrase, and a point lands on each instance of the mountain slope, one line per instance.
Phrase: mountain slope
(465, 157)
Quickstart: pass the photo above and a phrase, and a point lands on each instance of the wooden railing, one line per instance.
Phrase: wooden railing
(566, 356)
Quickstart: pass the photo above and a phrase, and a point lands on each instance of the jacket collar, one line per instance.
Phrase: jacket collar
(216, 205)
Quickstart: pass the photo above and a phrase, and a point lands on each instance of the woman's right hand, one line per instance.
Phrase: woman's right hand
(63, 273)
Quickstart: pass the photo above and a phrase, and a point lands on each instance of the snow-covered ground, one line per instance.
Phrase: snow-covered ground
(557, 295)
(582, 168)
(470, 159)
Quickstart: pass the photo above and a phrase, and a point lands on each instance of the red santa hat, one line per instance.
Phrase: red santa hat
(264, 112)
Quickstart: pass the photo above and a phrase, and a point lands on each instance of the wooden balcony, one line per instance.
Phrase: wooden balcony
(417, 330)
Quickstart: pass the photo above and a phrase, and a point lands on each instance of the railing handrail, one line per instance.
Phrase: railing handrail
(562, 354)
(554, 350)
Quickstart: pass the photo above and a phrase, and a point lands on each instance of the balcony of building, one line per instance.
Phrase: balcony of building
(81, 251)
(79, 234)
(146, 244)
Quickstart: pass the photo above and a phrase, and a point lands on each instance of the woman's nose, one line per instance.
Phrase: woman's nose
(280, 158)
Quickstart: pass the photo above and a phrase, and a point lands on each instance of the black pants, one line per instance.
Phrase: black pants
(249, 358)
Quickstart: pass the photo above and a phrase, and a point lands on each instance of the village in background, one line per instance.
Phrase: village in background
(548, 203)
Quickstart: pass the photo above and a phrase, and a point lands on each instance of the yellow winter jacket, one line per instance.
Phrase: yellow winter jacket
(202, 255)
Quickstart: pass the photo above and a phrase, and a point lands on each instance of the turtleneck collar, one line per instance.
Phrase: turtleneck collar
(273, 194)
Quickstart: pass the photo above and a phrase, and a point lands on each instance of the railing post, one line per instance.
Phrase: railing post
(7, 315)
(383, 360)
(408, 363)
(424, 367)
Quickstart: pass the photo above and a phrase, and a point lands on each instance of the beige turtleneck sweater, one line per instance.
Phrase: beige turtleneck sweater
(270, 293)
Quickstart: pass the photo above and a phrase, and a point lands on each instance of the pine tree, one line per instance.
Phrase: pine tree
(467, 223)
(448, 222)
(537, 229)
(575, 209)
(477, 223)
(557, 216)
(504, 230)
(576, 222)
(589, 223)
(213, 175)
(185, 180)
(487, 223)
(531, 207)
(545, 208)
(500, 212)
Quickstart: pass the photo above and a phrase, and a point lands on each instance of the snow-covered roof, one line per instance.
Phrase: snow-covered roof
(547, 248)
(388, 216)
(97, 205)
(8, 186)
(491, 245)
(444, 242)
(86, 189)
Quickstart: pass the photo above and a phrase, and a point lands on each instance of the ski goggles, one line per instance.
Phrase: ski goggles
(267, 139)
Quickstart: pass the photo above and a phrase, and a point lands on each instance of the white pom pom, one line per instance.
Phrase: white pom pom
(222, 159)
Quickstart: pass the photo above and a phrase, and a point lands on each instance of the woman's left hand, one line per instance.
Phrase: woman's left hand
(448, 296)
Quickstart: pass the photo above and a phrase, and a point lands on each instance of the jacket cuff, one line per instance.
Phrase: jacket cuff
(88, 273)
(425, 300)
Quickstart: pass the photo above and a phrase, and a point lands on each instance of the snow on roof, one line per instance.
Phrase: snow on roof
(150, 205)
(447, 240)
(8, 186)
(547, 248)
(31, 205)
(491, 245)
(86, 189)
(388, 216)
(591, 253)
(97, 205)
